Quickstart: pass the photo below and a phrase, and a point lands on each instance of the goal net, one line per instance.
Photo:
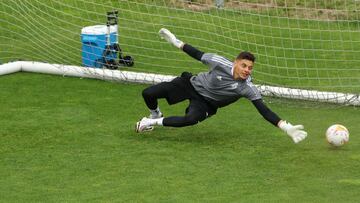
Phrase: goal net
(305, 49)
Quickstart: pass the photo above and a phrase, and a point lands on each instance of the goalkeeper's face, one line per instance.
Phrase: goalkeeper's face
(242, 68)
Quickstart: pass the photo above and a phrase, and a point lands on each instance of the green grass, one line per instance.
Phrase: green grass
(72, 140)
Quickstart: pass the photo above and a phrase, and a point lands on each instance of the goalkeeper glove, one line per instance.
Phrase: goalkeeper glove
(296, 132)
(170, 37)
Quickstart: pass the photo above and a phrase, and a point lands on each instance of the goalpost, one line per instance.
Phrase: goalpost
(305, 49)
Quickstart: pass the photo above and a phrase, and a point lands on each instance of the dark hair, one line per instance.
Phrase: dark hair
(246, 55)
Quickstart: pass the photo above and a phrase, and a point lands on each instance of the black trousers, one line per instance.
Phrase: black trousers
(175, 91)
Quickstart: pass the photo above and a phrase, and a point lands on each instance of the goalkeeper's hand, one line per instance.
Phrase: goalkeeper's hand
(170, 37)
(296, 132)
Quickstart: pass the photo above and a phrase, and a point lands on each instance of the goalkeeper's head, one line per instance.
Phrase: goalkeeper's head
(243, 65)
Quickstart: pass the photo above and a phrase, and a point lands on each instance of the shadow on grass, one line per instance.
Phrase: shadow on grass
(184, 135)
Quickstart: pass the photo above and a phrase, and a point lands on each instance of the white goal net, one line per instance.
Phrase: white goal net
(305, 49)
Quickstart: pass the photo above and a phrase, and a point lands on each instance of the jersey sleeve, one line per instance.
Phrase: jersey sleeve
(207, 58)
(253, 93)
(266, 112)
(193, 52)
(212, 60)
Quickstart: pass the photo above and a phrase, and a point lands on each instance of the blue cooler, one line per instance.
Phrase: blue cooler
(93, 40)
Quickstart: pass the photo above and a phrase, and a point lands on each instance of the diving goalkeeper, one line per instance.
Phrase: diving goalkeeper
(224, 83)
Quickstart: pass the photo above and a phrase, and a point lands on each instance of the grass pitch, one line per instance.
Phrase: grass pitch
(72, 140)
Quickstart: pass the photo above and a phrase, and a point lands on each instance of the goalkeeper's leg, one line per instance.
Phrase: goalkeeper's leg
(168, 90)
(173, 91)
(195, 113)
(153, 93)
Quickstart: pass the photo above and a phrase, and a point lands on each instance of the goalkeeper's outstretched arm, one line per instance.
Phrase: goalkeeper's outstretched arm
(193, 52)
(190, 50)
(296, 132)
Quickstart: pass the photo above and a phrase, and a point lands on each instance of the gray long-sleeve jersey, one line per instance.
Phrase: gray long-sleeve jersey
(218, 85)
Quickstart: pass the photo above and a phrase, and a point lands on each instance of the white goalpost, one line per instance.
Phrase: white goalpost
(148, 78)
(305, 50)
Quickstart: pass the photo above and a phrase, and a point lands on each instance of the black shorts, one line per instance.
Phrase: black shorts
(180, 89)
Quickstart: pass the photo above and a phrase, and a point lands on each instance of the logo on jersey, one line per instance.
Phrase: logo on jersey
(234, 85)
(219, 77)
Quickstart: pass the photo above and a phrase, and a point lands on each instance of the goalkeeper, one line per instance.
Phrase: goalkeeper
(224, 83)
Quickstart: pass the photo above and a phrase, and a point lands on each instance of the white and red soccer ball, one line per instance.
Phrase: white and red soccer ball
(337, 135)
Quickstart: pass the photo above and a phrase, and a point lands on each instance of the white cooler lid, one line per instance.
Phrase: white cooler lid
(98, 29)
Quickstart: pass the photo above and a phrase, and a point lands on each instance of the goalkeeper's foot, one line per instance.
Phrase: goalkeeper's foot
(143, 125)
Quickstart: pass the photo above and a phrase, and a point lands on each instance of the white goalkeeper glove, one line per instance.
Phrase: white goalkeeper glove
(170, 37)
(296, 132)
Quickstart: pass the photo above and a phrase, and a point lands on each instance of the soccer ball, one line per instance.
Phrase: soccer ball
(337, 135)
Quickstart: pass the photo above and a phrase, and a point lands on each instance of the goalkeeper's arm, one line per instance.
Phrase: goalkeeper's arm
(296, 132)
(193, 52)
(190, 50)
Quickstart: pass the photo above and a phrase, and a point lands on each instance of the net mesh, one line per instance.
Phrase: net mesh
(308, 44)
